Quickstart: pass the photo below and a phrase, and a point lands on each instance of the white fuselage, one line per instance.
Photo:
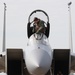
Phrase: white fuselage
(38, 55)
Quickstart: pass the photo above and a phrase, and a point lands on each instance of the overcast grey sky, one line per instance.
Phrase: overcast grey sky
(17, 18)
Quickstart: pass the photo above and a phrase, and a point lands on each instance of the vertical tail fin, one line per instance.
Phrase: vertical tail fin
(70, 28)
(4, 28)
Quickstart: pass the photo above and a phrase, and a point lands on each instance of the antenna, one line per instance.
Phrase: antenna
(70, 28)
(4, 28)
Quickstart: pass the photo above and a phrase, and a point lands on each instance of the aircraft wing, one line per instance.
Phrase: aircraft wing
(2, 64)
(73, 62)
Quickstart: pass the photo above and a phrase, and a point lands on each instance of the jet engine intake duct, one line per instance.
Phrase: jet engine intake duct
(61, 61)
(14, 62)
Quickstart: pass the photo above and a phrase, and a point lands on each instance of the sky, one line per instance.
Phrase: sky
(17, 13)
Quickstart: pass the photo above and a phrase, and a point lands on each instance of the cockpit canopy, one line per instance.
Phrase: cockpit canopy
(41, 15)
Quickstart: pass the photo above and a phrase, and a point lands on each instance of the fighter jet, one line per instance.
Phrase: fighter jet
(38, 58)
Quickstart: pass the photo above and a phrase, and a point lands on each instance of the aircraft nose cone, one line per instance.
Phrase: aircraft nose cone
(39, 62)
